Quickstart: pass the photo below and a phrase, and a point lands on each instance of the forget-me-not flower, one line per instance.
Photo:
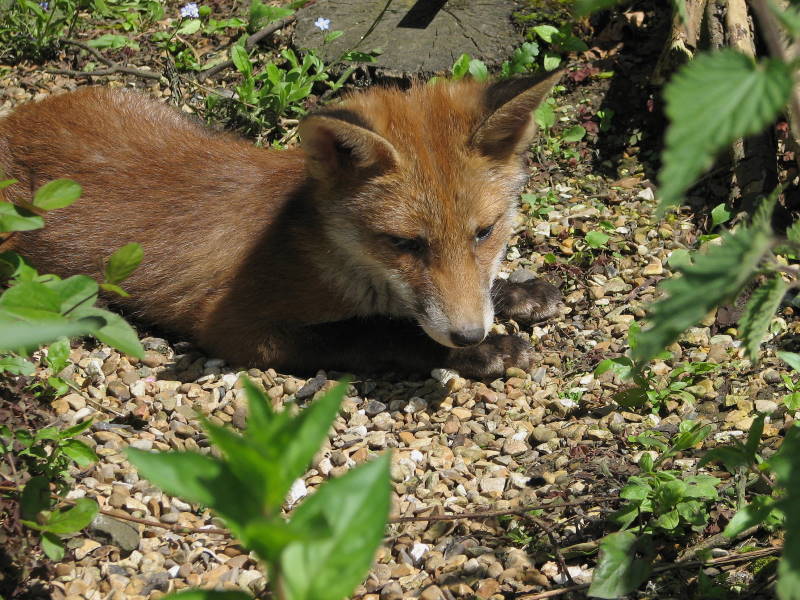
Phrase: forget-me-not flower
(44, 5)
(322, 23)
(190, 11)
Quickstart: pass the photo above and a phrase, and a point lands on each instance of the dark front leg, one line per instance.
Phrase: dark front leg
(526, 301)
(380, 345)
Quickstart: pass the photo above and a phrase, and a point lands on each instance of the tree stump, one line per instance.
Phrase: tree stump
(415, 36)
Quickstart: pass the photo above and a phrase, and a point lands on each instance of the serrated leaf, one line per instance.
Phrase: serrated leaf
(758, 314)
(478, 70)
(545, 116)
(13, 218)
(711, 101)
(123, 262)
(58, 193)
(618, 571)
(82, 454)
(356, 507)
(710, 280)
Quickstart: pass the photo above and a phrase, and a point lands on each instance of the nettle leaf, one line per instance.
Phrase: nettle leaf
(711, 279)
(711, 101)
(123, 262)
(618, 571)
(757, 315)
(545, 116)
(58, 193)
(13, 218)
(356, 507)
(58, 355)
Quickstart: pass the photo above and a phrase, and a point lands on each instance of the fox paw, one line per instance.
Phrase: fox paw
(527, 301)
(491, 357)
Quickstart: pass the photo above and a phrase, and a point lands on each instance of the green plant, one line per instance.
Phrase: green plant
(38, 309)
(662, 502)
(650, 389)
(29, 28)
(327, 545)
(45, 456)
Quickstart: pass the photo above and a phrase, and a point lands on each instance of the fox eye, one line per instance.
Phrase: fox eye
(409, 245)
(483, 234)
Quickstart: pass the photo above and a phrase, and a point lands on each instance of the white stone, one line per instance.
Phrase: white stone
(296, 492)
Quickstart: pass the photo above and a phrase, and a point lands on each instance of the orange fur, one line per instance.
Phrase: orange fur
(297, 259)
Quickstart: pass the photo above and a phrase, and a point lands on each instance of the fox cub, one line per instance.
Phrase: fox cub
(375, 246)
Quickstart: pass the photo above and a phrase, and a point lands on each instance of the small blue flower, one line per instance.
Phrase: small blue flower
(190, 11)
(44, 5)
(322, 23)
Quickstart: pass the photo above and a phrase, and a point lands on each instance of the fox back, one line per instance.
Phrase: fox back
(398, 204)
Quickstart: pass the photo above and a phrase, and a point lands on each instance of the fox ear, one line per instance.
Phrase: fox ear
(509, 127)
(340, 142)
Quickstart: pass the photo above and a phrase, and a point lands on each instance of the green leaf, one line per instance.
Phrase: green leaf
(596, 239)
(712, 278)
(52, 546)
(356, 507)
(790, 358)
(586, 7)
(461, 66)
(31, 295)
(754, 513)
(711, 101)
(189, 27)
(333, 35)
(58, 193)
(72, 519)
(115, 332)
(16, 365)
(269, 538)
(4, 183)
(113, 41)
(199, 479)
(75, 430)
(16, 335)
(573, 134)
(35, 497)
(784, 465)
(82, 454)
(618, 571)
(546, 32)
(793, 233)
(241, 60)
(732, 457)
(58, 355)
(758, 314)
(545, 116)
(478, 70)
(78, 290)
(13, 218)
(208, 595)
(551, 61)
(123, 262)
(719, 215)
(114, 289)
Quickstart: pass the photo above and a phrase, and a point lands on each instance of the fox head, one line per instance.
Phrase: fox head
(417, 190)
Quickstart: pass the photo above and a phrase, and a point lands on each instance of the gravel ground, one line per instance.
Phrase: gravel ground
(551, 437)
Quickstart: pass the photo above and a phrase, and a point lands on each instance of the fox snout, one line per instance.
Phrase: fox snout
(461, 324)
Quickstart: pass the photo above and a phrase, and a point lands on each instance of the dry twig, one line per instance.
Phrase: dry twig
(112, 69)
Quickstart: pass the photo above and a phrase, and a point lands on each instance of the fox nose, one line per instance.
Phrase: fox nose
(467, 337)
